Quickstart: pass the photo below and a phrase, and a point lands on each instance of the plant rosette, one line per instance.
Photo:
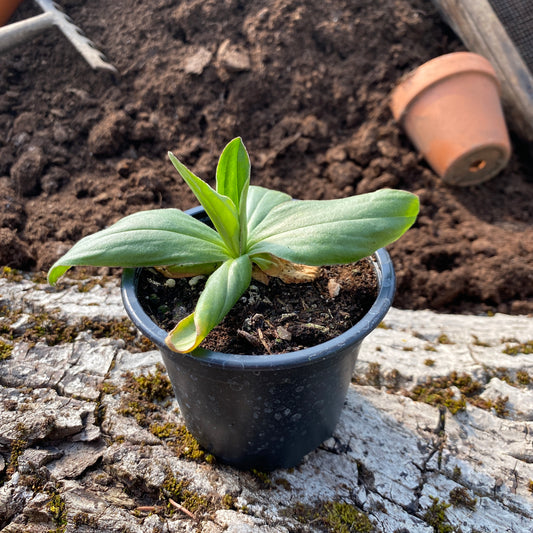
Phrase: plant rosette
(252, 411)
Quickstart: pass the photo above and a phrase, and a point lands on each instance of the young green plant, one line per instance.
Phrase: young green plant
(256, 232)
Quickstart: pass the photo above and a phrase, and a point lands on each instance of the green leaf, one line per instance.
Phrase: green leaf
(260, 202)
(321, 232)
(233, 172)
(187, 271)
(222, 290)
(148, 238)
(233, 181)
(220, 209)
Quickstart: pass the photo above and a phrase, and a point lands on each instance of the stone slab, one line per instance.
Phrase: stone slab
(66, 432)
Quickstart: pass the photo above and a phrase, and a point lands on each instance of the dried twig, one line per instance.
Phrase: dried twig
(182, 509)
(149, 508)
(263, 341)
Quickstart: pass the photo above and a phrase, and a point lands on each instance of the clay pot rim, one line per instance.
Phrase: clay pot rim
(432, 72)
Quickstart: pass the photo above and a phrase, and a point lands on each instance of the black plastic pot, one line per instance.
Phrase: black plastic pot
(263, 412)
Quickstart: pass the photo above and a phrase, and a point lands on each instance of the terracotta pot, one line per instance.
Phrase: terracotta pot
(450, 108)
(7, 8)
(268, 411)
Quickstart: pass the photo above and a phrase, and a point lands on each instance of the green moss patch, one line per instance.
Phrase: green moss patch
(179, 491)
(145, 397)
(444, 339)
(47, 328)
(150, 387)
(141, 394)
(5, 350)
(11, 274)
(499, 405)
(17, 449)
(436, 517)
(57, 508)
(346, 518)
(181, 441)
(333, 517)
(375, 378)
(459, 497)
(438, 391)
(516, 348)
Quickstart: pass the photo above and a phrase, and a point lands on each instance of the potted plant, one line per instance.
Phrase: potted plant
(251, 411)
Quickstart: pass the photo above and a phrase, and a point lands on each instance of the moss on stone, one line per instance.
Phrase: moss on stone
(151, 387)
(9, 317)
(515, 348)
(181, 441)
(438, 391)
(344, 517)
(499, 405)
(459, 497)
(145, 396)
(333, 517)
(141, 394)
(262, 477)
(435, 516)
(48, 328)
(523, 378)
(39, 278)
(11, 274)
(228, 501)
(444, 339)
(303, 513)
(108, 388)
(178, 490)
(16, 450)
(85, 519)
(117, 329)
(375, 378)
(58, 510)
(5, 350)
(457, 473)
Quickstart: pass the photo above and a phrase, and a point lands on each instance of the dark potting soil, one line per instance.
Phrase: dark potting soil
(273, 318)
(306, 84)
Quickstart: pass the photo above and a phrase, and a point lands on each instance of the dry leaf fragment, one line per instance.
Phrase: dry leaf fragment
(334, 288)
(283, 333)
(290, 272)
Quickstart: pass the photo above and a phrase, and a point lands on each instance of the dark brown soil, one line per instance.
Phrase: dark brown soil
(273, 318)
(305, 83)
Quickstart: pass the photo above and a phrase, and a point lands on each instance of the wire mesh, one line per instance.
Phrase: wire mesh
(516, 16)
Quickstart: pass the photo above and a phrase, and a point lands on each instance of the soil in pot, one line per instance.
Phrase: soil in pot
(273, 318)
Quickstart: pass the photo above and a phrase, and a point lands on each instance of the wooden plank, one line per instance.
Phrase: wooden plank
(481, 31)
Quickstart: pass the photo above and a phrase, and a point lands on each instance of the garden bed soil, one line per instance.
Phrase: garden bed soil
(270, 318)
(306, 85)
